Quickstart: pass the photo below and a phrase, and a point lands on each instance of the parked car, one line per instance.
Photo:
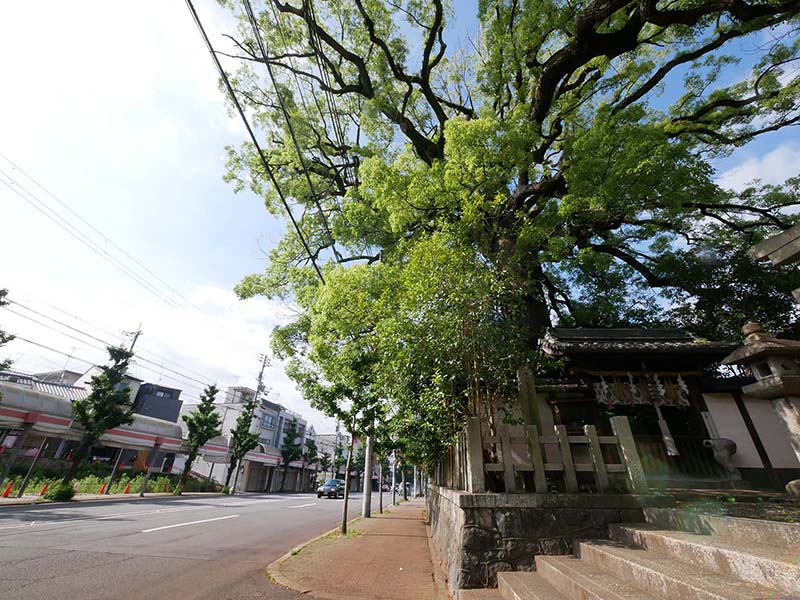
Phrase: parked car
(385, 487)
(333, 488)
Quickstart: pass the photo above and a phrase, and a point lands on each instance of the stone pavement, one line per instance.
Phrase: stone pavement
(386, 557)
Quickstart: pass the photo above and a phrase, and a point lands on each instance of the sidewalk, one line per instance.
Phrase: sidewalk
(386, 557)
(36, 499)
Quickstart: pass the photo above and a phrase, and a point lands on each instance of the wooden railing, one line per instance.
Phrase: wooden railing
(474, 458)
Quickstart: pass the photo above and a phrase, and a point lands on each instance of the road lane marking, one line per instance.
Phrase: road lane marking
(189, 523)
(102, 517)
(303, 505)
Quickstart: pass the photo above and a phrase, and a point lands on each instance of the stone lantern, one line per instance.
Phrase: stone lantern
(772, 361)
(774, 364)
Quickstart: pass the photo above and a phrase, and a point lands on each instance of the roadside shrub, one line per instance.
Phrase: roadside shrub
(60, 493)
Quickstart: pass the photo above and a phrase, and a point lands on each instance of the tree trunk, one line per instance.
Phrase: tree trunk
(190, 458)
(366, 501)
(380, 487)
(347, 485)
(231, 469)
(283, 477)
(78, 457)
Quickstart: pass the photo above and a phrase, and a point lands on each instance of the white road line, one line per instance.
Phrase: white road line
(189, 523)
(302, 505)
(102, 517)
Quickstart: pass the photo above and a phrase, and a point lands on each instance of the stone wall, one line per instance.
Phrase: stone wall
(477, 535)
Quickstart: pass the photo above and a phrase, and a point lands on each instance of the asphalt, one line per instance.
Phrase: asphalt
(202, 547)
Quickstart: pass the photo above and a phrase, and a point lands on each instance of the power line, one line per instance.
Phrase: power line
(73, 357)
(262, 48)
(38, 203)
(141, 366)
(106, 343)
(253, 138)
(78, 235)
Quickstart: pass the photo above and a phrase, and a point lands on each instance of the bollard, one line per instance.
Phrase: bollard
(44, 488)
(127, 488)
(102, 489)
(8, 490)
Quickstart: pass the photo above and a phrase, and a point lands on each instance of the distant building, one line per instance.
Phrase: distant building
(62, 377)
(262, 468)
(158, 401)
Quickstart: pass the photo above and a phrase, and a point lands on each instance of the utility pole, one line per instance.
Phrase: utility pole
(135, 335)
(366, 499)
(260, 385)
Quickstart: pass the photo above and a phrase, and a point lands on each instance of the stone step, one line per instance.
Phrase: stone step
(578, 580)
(485, 594)
(767, 566)
(669, 578)
(746, 531)
(526, 586)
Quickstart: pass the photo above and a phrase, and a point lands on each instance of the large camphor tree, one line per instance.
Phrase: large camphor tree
(557, 168)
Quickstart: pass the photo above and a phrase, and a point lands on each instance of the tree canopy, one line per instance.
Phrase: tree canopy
(107, 406)
(242, 439)
(460, 199)
(202, 424)
(4, 337)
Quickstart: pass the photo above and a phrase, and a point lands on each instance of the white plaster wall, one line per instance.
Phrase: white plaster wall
(773, 433)
(730, 425)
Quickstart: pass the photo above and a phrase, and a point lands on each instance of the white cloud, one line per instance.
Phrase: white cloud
(775, 167)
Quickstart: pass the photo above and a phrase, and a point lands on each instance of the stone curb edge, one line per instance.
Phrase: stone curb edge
(111, 499)
(273, 570)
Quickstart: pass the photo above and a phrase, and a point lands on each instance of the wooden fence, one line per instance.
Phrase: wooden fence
(474, 459)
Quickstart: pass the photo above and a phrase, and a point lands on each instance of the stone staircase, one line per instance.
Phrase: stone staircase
(675, 555)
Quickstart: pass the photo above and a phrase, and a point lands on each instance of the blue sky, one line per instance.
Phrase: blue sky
(115, 108)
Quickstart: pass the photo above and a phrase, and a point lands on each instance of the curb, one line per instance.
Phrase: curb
(273, 570)
(22, 502)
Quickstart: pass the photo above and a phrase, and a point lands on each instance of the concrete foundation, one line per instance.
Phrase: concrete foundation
(477, 535)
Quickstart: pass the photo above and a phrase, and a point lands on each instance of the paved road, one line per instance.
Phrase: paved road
(193, 547)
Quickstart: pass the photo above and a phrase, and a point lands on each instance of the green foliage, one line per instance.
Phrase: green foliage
(107, 406)
(556, 172)
(242, 439)
(291, 449)
(4, 337)
(324, 462)
(60, 492)
(202, 424)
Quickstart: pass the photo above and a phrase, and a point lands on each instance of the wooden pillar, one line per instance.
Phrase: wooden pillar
(570, 477)
(537, 462)
(476, 483)
(637, 482)
(600, 474)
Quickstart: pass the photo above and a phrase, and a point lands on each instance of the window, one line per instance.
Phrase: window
(268, 421)
(163, 394)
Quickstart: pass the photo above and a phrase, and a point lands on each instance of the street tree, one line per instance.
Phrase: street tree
(4, 337)
(310, 457)
(453, 204)
(242, 439)
(291, 450)
(358, 463)
(338, 459)
(202, 424)
(325, 462)
(107, 406)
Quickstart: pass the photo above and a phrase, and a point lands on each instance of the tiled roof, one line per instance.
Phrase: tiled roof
(56, 389)
(559, 341)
